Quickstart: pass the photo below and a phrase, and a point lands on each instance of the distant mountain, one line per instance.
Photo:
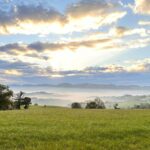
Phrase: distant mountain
(125, 101)
(42, 93)
(91, 86)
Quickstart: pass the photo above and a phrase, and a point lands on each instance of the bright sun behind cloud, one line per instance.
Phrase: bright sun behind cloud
(85, 38)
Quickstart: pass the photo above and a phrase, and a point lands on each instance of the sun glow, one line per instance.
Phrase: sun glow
(78, 60)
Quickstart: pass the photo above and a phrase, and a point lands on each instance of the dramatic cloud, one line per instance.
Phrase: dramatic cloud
(30, 20)
(23, 73)
(80, 41)
(69, 45)
(93, 14)
(142, 6)
(65, 53)
(85, 15)
(32, 48)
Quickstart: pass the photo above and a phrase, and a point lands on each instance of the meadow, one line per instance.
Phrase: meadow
(50, 128)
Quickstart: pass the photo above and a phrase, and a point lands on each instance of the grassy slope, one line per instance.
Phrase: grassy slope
(59, 128)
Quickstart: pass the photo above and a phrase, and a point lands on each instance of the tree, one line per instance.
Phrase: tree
(5, 97)
(116, 106)
(91, 105)
(100, 103)
(75, 105)
(26, 102)
(142, 106)
(96, 104)
(21, 100)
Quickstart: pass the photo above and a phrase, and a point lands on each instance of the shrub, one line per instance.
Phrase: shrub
(142, 106)
(75, 105)
(36, 104)
(116, 106)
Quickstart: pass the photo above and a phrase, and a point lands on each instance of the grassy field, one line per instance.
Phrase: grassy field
(42, 128)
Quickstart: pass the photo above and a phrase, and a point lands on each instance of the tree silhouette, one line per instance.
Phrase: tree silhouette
(96, 104)
(75, 105)
(5, 97)
(21, 100)
(116, 106)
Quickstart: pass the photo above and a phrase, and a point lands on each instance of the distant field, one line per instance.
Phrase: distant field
(48, 128)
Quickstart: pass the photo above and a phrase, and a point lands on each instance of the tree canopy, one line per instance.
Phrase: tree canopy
(6, 101)
(5, 97)
(96, 104)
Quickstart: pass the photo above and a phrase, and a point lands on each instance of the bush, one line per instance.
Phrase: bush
(91, 105)
(76, 105)
(116, 106)
(96, 104)
(36, 104)
(142, 106)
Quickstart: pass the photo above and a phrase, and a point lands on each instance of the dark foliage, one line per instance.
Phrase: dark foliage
(96, 104)
(91, 105)
(116, 106)
(21, 100)
(142, 106)
(75, 105)
(5, 98)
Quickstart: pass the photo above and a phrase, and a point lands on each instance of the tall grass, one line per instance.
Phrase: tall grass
(47, 128)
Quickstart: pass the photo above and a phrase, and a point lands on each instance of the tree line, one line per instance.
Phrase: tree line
(8, 103)
(97, 103)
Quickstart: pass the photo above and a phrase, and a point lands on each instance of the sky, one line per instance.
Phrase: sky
(75, 41)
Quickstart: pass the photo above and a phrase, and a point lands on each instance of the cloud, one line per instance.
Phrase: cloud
(65, 53)
(139, 66)
(30, 20)
(93, 14)
(144, 23)
(14, 46)
(13, 72)
(26, 73)
(37, 19)
(16, 68)
(33, 48)
(112, 40)
(142, 7)
(38, 14)
(67, 45)
(104, 69)
(121, 31)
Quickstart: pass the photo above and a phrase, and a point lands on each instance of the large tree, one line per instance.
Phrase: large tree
(96, 104)
(5, 97)
(21, 100)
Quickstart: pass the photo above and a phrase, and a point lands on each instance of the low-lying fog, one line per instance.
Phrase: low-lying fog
(63, 96)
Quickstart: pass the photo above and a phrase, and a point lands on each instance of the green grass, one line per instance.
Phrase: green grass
(48, 128)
